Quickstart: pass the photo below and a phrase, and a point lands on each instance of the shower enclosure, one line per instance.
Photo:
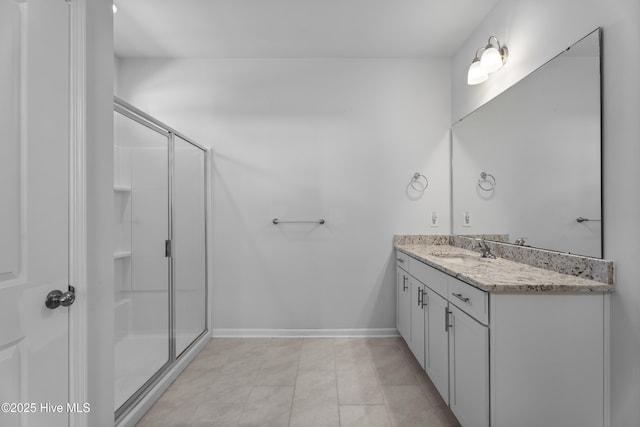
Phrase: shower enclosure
(160, 205)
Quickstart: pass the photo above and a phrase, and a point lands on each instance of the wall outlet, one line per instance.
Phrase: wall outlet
(434, 219)
(466, 219)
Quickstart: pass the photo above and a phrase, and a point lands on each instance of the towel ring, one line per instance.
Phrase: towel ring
(417, 178)
(487, 182)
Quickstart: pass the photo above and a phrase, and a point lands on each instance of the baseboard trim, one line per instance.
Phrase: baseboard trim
(303, 333)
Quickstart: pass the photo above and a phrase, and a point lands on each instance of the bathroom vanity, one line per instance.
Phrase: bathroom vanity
(507, 343)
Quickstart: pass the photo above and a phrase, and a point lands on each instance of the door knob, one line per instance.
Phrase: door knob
(58, 298)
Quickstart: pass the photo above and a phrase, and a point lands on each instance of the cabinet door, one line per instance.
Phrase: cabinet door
(416, 344)
(437, 345)
(469, 369)
(403, 303)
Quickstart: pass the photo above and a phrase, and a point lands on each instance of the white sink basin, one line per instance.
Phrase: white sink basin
(469, 260)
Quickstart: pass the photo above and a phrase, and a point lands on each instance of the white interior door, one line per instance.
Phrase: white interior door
(34, 170)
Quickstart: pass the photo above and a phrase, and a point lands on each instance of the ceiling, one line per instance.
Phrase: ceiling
(294, 28)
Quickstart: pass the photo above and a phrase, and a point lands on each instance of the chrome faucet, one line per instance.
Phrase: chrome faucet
(484, 249)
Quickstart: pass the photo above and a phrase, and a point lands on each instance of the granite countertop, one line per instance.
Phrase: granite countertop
(498, 275)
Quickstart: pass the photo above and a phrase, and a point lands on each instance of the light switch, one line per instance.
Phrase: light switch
(466, 220)
(434, 219)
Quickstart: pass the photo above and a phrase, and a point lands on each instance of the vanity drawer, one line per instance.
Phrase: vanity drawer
(402, 260)
(471, 300)
(429, 276)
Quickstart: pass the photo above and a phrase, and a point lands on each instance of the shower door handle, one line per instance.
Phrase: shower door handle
(168, 250)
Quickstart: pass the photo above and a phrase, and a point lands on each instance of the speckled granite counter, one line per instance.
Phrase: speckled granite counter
(500, 275)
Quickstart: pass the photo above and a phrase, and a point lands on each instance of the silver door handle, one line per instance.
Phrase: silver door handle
(58, 298)
(404, 283)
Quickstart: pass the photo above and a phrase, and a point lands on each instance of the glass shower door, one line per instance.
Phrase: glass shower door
(189, 237)
(141, 227)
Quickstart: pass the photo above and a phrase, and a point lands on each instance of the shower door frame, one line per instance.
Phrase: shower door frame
(135, 114)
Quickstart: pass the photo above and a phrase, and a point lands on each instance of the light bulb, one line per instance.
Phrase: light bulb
(491, 60)
(476, 74)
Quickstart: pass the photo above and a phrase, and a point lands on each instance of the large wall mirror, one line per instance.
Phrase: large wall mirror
(527, 164)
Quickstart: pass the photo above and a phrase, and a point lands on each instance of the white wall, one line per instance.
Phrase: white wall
(100, 241)
(10, 152)
(304, 139)
(534, 31)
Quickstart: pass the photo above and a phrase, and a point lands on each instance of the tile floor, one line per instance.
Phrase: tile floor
(307, 382)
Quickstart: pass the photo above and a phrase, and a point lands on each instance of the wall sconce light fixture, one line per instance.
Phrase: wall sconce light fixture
(488, 59)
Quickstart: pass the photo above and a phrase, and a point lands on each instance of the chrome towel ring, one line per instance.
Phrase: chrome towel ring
(418, 179)
(487, 182)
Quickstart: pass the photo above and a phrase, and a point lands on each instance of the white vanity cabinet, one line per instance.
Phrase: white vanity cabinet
(403, 317)
(548, 358)
(468, 368)
(410, 315)
(499, 359)
(437, 345)
(468, 353)
(450, 344)
(417, 309)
